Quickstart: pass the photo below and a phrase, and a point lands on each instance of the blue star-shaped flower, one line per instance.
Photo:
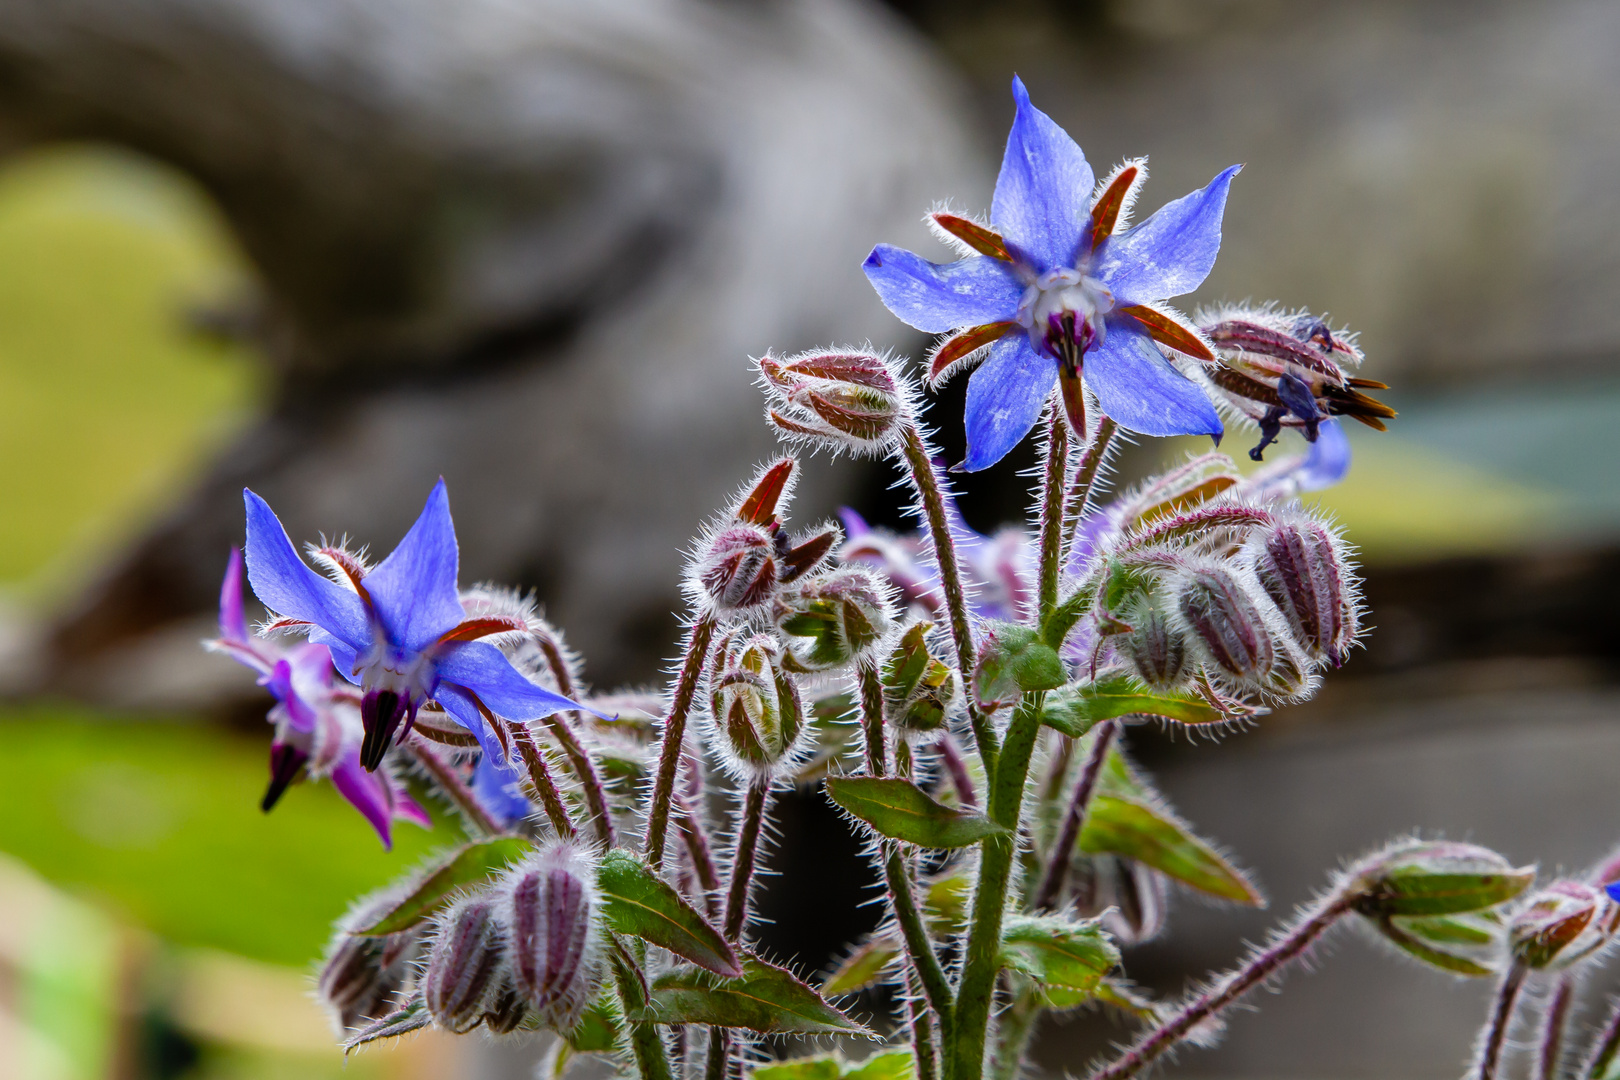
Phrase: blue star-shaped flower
(398, 631)
(1057, 291)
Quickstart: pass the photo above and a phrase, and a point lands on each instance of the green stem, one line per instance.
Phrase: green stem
(982, 952)
(922, 1032)
(1052, 515)
(1013, 1032)
(742, 859)
(674, 738)
(1604, 1049)
(877, 763)
(932, 496)
(915, 932)
(646, 1044)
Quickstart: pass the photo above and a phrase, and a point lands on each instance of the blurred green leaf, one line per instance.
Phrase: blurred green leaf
(600, 1028)
(901, 810)
(864, 967)
(1152, 835)
(438, 886)
(890, 1065)
(1014, 660)
(1066, 957)
(636, 901)
(766, 999)
(1073, 709)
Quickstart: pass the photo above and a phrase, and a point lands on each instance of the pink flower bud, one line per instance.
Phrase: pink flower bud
(835, 400)
(553, 933)
(1562, 923)
(1302, 567)
(1227, 625)
(737, 568)
(1154, 647)
(464, 965)
(362, 975)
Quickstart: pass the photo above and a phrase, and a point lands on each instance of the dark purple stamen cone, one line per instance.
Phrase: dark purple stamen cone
(286, 762)
(507, 1012)
(380, 712)
(1302, 571)
(1228, 623)
(464, 967)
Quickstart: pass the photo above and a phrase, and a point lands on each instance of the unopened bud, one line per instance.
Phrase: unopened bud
(837, 618)
(464, 965)
(737, 568)
(1154, 647)
(757, 710)
(1560, 924)
(507, 1010)
(552, 921)
(1227, 625)
(918, 689)
(834, 400)
(1436, 878)
(1131, 897)
(361, 974)
(1302, 568)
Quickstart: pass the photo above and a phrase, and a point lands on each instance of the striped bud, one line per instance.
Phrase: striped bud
(758, 713)
(836, 618)
(1155, 647)
(361, 975)
(464, 965)
(836, 401)
(1227, 625)
(1560, 924)
(553, 934)
(737, 568)
(918, 689)
(1300, 564)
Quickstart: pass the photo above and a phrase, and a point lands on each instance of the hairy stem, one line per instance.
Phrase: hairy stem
(1497, 1024)
(912, 928)
(674, 738)
(1057, 865)
(1013, 1033)
(540, 776)
(742, 858)
(961, 780)
(982, 951)
(698, 850)
(579, 759)
(1553, 1024)
(1607, 1044)
(922, 1030)
(1085, 476)
(932, 496)
(1262, 965)
(872, 718)
(1052, 513)
(451, 785)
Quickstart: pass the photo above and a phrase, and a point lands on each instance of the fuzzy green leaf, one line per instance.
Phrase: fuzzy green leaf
(1067, 958)
(892, 1065)
(601, 1027)
(637, 901)
(401, 1021)
(864, 967)
(765, 999)
(901, 810)
(1014, 661)
(439, 886)
(1151, 835)
(1446, 959)
(1073, 709)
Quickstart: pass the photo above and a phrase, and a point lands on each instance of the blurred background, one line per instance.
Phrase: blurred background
(336, 248)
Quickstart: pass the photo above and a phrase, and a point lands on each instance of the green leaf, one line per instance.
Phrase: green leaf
(864, 967)
(1067, 958)
(765, 999)
(401, 1021)
(435, 891)
(892, 1065)
(637, 901)
(901, 810)
(1437, 878)
(945, 904)
(1121, 995)
(1444, 959)
(601, 1027)
(1137, 829)
(1471, 929)
(1013, 661)
(1073, 709)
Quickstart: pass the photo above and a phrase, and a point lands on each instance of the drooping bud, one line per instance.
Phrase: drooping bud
(464, 965)
(840, 401)
(1562, 923)
(1154, 646)
(1231, 632)
(507, 1010)
(918, 688)
(362, 975)
(835, 619)
(1436, 877)
(1285, 369)
(553, 933)
(1131, 897)
(1301, 565)
(757, 710)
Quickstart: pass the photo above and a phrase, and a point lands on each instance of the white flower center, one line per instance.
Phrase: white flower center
(1063, 304)
(388, 667)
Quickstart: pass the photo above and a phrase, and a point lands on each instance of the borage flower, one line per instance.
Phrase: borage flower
(398, 630)
(1058, 291)
(317, 724)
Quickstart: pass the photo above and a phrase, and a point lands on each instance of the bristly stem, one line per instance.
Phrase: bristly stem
(922, 1030)
(452, 786)
(698, 850)
(932, 496)
(579, 759)
(1053, 477)
(1013, 1031)
(1057, 866)
(1262, 964)
(981, 957)
(540, 776)
(915, 932)
(877, 758)
(961, 780)
(1553, 1024)
(742, 874)
(674, 737)
(1500, 1020)
(1607, 1044)
(1084, 485)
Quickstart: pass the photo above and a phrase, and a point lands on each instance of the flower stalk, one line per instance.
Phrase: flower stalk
(695, 653)
(1057, 865)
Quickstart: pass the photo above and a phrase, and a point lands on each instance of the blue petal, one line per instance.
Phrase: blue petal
(1003, 399)
(498, 786)
(414, 590)
(1043, 194)
(460, 704)
(1136, 386)
(1171, 252)
(485, 670)
(937, 297)
(287, 585)
(1328, 460)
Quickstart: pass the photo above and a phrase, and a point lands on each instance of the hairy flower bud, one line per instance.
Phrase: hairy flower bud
(849, 401)
(507, 1010)
(1301, 565)
(1560, 924)
(1131, 897)
(737, 569)
(1155, 647)
(758, 713)
(464, 965)
(362, 975)
(918, 688)
(1230, 629)
(836, 618)
(551, 916)
(1437, 877)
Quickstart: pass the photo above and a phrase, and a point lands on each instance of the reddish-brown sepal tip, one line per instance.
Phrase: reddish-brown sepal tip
(1105, 215)
(975, 236)
(961, 345)
(759, 508)
(1167, 331)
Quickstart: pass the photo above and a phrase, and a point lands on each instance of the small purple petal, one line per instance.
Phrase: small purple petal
(366, 793)
(414, 591)
(1044, 190)
(1137, 387)
(1004, 398)
(408, 809)
(460, 704)
(280, 683)
(498, 788)
(1328, 461)
(288, 586)
(854, 524)
(485, 670)
(1170, 253)
(938, 297)
(232, 619)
